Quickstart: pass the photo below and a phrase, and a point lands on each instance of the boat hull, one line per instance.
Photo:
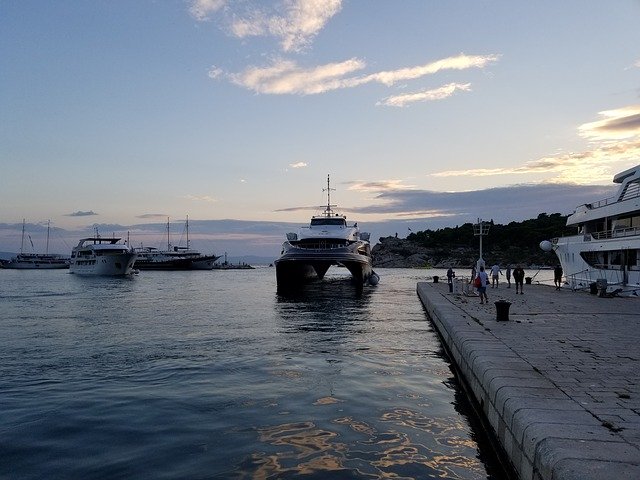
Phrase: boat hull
(202, 262)
(107, 265)
(35, 264)
(614, 260)
(299, 265)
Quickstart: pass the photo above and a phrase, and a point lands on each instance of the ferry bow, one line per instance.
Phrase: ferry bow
(327, 241)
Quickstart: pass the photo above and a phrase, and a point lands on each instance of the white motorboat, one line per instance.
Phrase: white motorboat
(102, 256)
(174, 257)
(327, 241)
(33, 261)
(606, 249)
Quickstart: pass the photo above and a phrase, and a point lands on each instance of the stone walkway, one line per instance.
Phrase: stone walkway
(559, 382)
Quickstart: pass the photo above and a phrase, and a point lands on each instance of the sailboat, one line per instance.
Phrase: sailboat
(174, 257)
(32, 261)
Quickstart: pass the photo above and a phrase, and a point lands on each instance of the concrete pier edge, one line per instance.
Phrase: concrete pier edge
(545, 433)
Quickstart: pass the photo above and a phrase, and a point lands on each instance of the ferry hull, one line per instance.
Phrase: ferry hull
(298, 265)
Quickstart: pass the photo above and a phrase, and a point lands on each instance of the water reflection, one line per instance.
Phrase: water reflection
(304, 448)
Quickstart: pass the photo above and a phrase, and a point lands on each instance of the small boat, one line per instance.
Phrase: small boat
(102, 256)
(174, 257)
(35, 261)
(327, 241)
(606, 248)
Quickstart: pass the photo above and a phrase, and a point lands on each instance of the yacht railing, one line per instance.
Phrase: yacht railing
(632, 190)
(616, 233)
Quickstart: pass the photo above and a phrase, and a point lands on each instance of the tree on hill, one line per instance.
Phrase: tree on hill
(512, 243)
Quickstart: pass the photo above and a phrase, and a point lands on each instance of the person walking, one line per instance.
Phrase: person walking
(495, 273)
(557, 276)
(481, 282)
(450, 275)
(518, 277)
(508, 275)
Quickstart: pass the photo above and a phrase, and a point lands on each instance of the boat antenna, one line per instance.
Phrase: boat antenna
(328, 210)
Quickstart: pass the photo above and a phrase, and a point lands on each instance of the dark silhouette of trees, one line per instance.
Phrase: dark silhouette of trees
(512, 243)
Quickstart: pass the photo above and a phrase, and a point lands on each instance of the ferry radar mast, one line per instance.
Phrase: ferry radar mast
(328, 211)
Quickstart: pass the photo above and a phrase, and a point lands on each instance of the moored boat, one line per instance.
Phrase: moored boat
(102, 256)
(35, 261)
(606, 248)
(327, 241)
(174, 257)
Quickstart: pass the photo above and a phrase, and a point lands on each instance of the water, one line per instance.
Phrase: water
(212, 375)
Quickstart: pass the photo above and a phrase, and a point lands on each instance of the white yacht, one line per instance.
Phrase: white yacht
(102, 256)
(606, 248)
(327, 241)
(35, 261)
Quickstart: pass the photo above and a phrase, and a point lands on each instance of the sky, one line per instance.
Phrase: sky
(119, 115)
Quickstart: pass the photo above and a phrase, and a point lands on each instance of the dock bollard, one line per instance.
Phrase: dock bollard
(436, 278)
(502, 310)
(527, 280)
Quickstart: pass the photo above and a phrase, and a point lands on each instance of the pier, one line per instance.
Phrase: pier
(558, 383)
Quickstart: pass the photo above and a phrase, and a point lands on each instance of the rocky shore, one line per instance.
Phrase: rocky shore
(393, 252)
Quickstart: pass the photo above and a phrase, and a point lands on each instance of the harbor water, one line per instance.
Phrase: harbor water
(213, 375)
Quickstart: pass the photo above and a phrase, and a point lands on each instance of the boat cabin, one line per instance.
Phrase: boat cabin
(337, 221)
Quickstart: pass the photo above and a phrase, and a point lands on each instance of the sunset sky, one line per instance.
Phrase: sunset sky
(425, 113)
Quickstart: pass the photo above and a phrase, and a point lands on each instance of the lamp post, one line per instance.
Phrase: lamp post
(480, 229)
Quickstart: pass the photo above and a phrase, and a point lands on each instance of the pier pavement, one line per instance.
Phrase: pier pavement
(559, 383)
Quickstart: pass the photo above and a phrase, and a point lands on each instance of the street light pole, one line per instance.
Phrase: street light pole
(480, 229)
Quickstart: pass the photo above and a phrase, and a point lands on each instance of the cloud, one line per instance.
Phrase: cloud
(296, 27)
(284, 77)
(379, 186)
(298, 165)
(152, 215)
(581, 168)
(618, 124)
(294, 22)
(424, 96)
(200, 198)
(460, 62)
(80, 213)
(202, 9)
(504, 203)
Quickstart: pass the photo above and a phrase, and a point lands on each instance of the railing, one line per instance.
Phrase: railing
(616, 233)
(320, 246)
(632, 190)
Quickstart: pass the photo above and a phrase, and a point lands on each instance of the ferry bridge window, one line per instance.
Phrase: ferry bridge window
(327, 221)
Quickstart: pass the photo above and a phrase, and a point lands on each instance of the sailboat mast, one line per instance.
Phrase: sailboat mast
(168, 241)
(22, 241)
(47, 249)
(187, 227)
